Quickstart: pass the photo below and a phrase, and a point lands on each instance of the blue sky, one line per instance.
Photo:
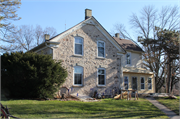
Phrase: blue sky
(57, 13)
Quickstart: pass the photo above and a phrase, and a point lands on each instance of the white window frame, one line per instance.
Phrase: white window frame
(104, 77)
(82, 46)
(149, 83)
(104, 49)
(142, 83)
(130, 58)
(74, 76)
(127, 83)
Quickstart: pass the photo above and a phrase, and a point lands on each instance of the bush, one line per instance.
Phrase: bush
(31, 75)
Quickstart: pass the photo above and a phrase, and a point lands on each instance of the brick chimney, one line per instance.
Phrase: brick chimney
(88, 13)
(117, 35)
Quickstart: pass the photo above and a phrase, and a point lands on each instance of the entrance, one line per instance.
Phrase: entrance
(134, 83)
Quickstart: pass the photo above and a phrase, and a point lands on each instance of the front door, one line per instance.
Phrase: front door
(134, 83)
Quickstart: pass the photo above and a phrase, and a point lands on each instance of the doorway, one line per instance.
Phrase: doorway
(134, 83)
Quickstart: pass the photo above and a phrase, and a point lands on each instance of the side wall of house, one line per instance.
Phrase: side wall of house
(136, 60)
(139, 75)
(89, 61)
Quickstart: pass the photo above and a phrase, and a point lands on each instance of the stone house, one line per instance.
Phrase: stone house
(97, 61)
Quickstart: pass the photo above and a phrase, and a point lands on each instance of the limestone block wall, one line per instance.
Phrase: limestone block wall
(89, 61)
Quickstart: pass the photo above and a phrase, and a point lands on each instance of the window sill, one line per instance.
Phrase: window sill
(128, 65)
(77, 55)
(101, 86)
(101, 58)
(77, 85)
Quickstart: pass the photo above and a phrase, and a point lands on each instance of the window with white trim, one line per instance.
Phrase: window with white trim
(149, 83)
(126, 82)
(101, 48)
(128, 58)
(78, 46)
(142, 83)
(101, 76)
(78, 75)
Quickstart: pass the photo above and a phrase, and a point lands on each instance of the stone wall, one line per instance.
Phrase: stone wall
(89, 61)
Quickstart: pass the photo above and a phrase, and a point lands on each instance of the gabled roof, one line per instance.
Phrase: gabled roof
(68, 29)
(91, 20)
(128, 44)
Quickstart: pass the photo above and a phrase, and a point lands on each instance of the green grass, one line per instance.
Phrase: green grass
(107, 108)
(172, 104)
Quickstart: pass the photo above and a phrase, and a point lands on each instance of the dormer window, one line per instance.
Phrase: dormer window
(101, 49)
(78, 44)
(128, 58)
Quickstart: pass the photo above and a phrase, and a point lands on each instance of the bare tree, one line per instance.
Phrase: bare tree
(51, 31)
(145, 26)
(24, 38)
(8, 10)
(28, 37)
(39, 33)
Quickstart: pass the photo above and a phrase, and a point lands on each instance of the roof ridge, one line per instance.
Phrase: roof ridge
(69, 28)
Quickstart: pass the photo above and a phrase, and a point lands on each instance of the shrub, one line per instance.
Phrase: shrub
(31, 75)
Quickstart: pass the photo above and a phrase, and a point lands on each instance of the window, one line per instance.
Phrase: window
(78, 75)
(126, 82)
(149, 84)
(128, 58)
(78, 46)
(101, 48)
(101, 76)
(134, 83)
(142, 82)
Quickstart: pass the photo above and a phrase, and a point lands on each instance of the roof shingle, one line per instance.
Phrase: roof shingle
(128, 44)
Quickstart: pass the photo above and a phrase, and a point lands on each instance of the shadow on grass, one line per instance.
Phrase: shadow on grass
(69, 109)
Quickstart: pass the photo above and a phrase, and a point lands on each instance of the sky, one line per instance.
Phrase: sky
(64, 14)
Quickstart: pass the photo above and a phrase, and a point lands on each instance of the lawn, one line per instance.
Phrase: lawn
(107, 108)
(172, 104)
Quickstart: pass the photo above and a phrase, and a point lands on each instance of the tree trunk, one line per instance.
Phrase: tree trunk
(168, 76)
